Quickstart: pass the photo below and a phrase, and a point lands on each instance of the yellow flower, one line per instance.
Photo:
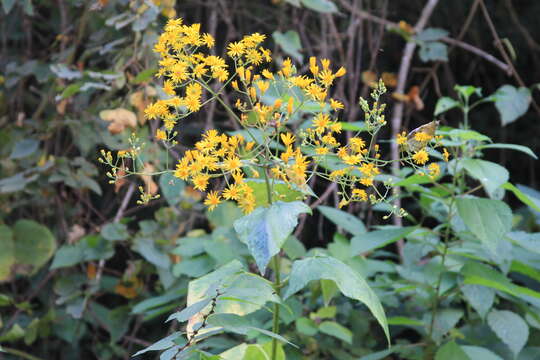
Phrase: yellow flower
(421, 157)
(360, 194)
(232, 164)
(341, 71)
(321, 150)
(161, 135)
(232, 192)
(168, 88)
(208, 40)
(212, 200)
(267, 74)
(290, 105)
(288, 139)
(401, 138)
(335, 105)
(235, 49)
(201, 181)
(321, 122)
(434, 170)
(446, 155)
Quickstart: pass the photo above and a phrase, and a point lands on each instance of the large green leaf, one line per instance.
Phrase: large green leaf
(266, 229)
(240, 325)
(521, 148)
(510, 328)
(444, 104)
(525, 198)
(480, 297)
(241, 293)
(376, 239)
(451, 351)
(324, 6)
(92, 247)
(480, 353)
(171, 188)
(336, 330)
(511, 102)
(34, 246)
(491, 175)
(290, 43)
(343, 219)
(7, 255)
(488, 219)
(479, 274)
(348, 281)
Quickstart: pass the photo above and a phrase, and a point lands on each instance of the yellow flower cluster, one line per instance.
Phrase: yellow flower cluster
(218, 155)
(417, 143)
(184, 65)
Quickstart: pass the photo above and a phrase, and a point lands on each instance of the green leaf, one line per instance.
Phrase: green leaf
(467, 90)
(433, 51)
(7, 255)
(171, 188)
(489, 220)
(189, 311)
(348, 281)
(401, 320)
(511, 102)
(415, 179)
(147, 248)
(468, 135)
(290, 43)
(370, 241)
(510, 328)
(343, 219)
(242, 293)
(225, 214)
(8, 5)
(329, 290)
(477, 352)
(336, 330)
(451, 351)
(294, 248)
(144, 76)
(306, 326)
(266, 229)
(445, 321)
(165, 343)
(480, 297)
(479, 274)
(381, 355)
(34, 246)
(92, 247)
(115, 231)
(491, 175)
(24, 148)
(281, 192)
(241, 325)
(529, 241)
(444, 104)
(521, 148)
(194, 267)
(524, 198)
(324, 6)
(431, 34)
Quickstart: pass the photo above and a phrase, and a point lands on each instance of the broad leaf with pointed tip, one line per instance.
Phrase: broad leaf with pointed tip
(266, 229)
(350, 283)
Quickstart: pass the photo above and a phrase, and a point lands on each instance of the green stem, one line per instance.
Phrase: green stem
(277, 287)
(19, 353)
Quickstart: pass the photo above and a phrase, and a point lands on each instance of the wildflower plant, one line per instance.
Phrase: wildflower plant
(266, 167)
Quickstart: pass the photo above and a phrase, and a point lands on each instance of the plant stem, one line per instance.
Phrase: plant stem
(277, 287)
